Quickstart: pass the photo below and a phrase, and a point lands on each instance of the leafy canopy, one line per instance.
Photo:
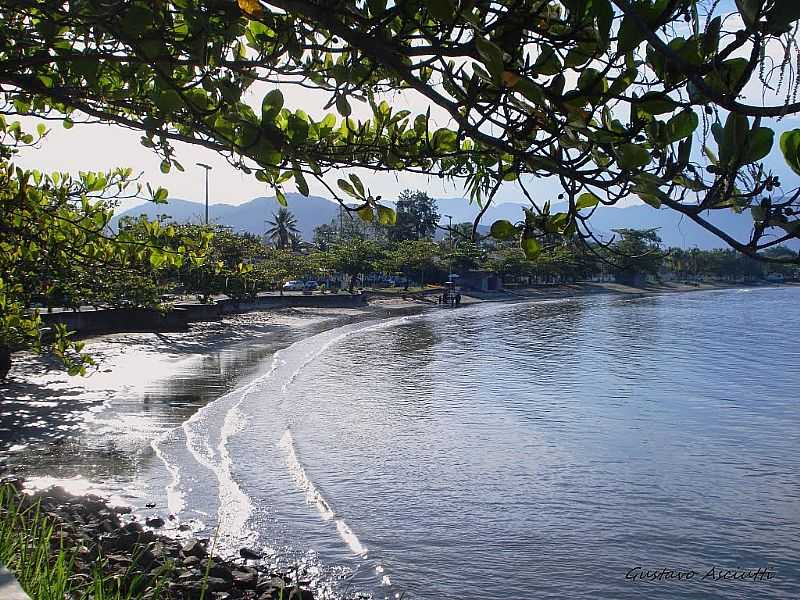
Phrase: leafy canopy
(611, 97)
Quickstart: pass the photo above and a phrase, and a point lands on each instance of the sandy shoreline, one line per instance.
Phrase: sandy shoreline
(100, 427)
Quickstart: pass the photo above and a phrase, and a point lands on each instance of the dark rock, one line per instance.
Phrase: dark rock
(193, 547)
(286, 593)
(215, 584)
(108, 526)
(245, 579)
(248, 554)
(13, 481)
(155, 522)
(191, 561)
(296, 593)
(119, 559)
(142, 559)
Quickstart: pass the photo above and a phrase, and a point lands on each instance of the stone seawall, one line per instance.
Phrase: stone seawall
(119, 320)
(127, 320)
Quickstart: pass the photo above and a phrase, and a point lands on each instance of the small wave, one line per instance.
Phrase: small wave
(206, 436)
(176, 500)
(315, 498)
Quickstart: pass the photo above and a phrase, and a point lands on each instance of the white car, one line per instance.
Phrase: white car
(293, 286)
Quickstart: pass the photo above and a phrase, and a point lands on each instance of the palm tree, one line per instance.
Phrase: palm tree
(282, 228)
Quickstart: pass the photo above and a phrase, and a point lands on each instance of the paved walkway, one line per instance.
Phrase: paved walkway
(9, 588)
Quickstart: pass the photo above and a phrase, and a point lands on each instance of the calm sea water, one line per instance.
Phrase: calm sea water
(533, 450)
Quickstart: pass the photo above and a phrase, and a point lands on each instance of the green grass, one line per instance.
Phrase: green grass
(33, 549)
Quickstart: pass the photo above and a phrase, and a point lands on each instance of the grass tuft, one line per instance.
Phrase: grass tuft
(33, 547)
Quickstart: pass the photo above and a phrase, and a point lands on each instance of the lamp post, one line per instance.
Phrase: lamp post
(450, 235)
(207, 168)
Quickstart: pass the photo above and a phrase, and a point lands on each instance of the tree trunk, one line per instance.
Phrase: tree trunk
(353, 282)
(5, 361)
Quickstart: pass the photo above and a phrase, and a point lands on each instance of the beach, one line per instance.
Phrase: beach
(97, 430)
(96, 434)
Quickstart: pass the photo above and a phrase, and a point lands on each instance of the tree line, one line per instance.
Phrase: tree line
(412, 251)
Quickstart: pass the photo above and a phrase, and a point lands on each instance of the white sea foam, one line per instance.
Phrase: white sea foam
(176, 499)
(316, 499)
(207, 434)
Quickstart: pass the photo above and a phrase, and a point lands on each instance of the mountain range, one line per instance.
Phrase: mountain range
(312, 211)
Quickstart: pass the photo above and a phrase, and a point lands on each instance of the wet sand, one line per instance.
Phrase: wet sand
(94, 433)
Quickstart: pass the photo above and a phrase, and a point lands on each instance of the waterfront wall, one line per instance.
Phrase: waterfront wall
(122, 320)
(118, 320)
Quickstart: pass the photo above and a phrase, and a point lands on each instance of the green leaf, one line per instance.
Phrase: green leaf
(365, 213)
(300, 181)
(724, 79)
(358, 185)
(346, 187)
(586, 200)
(605, 17)
(444, 140)
(592, 83)
(343, 106)
(548, 63)
(656, 103)
(271, 105)
(376, 7)
(733, 138)
(530, 246)
(503, 230)
(759, 144)
(790, 148)
(682, 125)
(749, 10)
(161, 195)
(169, 101)
(632, 156)
(492, 56)
(281, 197)
(165, 166)
(68, 123)
(386, 216)
(629, 36)
(711, 37)
(157, 258)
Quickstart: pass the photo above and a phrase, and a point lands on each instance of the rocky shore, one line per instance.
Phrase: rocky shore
(146, 564)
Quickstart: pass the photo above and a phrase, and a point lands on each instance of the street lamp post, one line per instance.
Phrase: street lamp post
(450, 235)
(207, 168)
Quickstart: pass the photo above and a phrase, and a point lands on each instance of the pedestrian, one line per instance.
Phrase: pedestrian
(458, 299)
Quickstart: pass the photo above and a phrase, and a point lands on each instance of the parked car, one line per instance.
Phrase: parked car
(310, 285)
(293, 286)
(776, 278)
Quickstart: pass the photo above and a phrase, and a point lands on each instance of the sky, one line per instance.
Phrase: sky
(101, 147)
